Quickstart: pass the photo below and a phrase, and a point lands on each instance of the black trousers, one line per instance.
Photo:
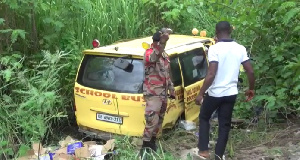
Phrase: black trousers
(224, 107)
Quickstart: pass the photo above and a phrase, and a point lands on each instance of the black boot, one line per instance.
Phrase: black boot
(153, 144)
(146, 149)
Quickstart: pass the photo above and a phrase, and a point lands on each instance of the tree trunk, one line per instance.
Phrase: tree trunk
(34, 34)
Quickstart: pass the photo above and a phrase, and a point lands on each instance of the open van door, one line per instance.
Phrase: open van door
(194, 65)
(175, 106)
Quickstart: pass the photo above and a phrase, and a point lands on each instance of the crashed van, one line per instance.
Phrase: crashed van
(108, 86)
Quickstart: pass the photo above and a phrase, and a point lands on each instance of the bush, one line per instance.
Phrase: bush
(270, 32)
(30, 100)
(36, 86)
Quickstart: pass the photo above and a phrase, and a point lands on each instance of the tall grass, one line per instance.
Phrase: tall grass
(31, 102)
(65, 23)
(36, 87)
(112, 20)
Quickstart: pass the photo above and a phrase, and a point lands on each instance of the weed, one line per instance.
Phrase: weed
(127, 151)
(31, 103)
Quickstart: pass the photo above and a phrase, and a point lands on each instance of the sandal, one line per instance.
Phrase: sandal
(201, 157)
(204, 155)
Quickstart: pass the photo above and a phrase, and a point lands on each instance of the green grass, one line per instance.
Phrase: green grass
(37, 92)
(32, 103)
(177, 140)
(128, 150)
(36, 86)
(107, 21)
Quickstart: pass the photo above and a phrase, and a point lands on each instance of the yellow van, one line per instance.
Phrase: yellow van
(109, 99)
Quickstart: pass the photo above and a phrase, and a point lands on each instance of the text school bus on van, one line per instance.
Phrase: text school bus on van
(108, 87)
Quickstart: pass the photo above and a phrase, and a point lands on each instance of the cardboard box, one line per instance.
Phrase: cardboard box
(63, 156)
(70, 149)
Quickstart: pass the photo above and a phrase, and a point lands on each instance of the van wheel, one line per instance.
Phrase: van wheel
(180, 118)
(170, 131)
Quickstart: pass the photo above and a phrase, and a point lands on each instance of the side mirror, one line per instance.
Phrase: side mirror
(123, 64)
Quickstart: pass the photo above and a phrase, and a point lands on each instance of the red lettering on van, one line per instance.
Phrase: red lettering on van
(180, 97)
(189, 92)
(88, 92)
(196, 89)
(178, 92)
(135, 98)
(98, 94)
(125, 97)
(171, 105)
(142, 97)
(82, 90)
(106, 95)
(92, 93)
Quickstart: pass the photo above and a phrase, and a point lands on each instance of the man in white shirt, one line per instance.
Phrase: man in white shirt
(225, 58)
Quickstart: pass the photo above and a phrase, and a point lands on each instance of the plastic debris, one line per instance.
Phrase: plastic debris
(70, 149)
(187, 125)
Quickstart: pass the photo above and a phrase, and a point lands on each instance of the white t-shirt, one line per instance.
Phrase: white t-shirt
(229, 56)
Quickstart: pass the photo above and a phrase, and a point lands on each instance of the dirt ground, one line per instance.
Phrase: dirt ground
(282, 142)
(277, 142)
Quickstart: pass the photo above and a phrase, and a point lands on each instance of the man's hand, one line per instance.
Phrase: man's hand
(164, 38)
(216, 39)
(172, 94)
(249, 94)
(210, 76)
(199, 99)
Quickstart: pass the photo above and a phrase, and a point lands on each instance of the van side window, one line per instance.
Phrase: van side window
(175, 72)
(194, 66)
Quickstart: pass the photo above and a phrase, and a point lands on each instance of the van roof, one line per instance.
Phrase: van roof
(134, 47)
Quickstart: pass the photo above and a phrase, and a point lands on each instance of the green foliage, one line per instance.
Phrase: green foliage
(35, 95)
(30, 100)
(23, 150)
(16, 33)
(271, 35)
(1, 21)
(183, 16)
(127, 151)
(68, 24)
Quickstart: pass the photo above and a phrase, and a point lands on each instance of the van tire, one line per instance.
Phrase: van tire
(181, 117)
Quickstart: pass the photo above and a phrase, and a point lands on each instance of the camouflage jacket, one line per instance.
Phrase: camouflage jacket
(157, 79)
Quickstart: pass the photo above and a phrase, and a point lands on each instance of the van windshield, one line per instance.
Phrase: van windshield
(99, 72)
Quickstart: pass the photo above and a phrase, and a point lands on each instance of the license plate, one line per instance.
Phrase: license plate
(109, 118)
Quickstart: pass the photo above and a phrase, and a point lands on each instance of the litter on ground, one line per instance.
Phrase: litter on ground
(70, 149)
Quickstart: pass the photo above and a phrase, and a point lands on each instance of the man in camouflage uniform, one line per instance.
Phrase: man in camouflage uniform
(157, 83)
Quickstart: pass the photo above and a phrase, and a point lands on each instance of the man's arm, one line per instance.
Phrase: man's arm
(171, 87)
(157, 53)
(162, 47)
(250, 73)
(158, 49)
(151, 56)
(170, 83)
(212, 70)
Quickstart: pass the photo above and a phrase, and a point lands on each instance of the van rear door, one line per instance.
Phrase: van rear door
(95, 107)
(101, 93)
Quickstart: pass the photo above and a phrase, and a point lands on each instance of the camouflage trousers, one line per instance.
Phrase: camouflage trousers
(154, 115)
